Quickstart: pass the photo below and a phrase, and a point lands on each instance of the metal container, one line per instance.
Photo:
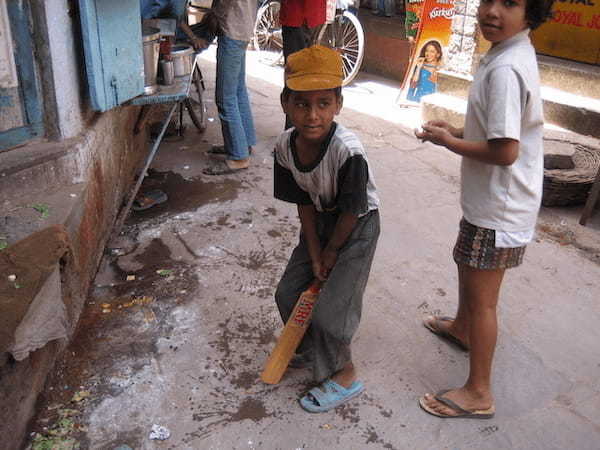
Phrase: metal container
(168, 72)
(183, 59)
(151, 45)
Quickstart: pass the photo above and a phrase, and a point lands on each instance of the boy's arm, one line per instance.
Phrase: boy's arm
(499, 152)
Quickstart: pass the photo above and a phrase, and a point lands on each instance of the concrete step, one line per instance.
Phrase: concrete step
(41, 167)
(570, 76)
(573, 112)
(33, 211)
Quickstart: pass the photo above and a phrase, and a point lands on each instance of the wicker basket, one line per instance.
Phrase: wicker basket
(563, 187)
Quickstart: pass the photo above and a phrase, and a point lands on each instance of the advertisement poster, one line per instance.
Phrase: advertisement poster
(429, 51)
(572, 33)
(413, 17)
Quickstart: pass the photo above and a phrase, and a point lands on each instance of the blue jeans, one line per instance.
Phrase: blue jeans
(231, 97)
(386, 7)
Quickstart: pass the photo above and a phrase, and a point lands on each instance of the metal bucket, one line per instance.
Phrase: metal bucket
(151, 46)
(183, 59)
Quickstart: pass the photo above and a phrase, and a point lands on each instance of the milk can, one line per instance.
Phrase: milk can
(151, 45)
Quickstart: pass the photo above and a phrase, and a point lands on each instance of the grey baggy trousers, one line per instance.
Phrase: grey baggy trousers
(337, 312)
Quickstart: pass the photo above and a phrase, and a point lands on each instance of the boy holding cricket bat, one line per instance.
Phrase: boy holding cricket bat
(322, 167)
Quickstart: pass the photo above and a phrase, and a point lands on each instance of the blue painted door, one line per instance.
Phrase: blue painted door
(112, 40)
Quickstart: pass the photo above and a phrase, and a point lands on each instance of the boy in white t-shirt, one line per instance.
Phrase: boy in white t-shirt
(501, 190)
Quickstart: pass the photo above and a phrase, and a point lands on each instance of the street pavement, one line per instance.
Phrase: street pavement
(181, 344)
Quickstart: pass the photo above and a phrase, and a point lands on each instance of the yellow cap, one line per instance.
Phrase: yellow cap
(314, 68)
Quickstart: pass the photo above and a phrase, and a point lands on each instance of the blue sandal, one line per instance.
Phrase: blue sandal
(329, 395)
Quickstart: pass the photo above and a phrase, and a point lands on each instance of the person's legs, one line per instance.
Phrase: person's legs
(459, 327)
(479, 290)
(244, 106)
(336, 315)
(389, 7)
(230, 55)
(294, 39)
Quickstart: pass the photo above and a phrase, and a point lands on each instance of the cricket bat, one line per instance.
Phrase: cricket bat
(291, 335)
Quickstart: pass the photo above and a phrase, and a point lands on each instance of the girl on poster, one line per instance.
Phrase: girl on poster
(424, 79)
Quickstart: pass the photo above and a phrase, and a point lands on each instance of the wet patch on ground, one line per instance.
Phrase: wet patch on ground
(183, 194)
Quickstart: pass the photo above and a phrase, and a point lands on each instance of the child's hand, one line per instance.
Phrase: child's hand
(328, 259)
(436, 134)
(436, 131)
(318, 271)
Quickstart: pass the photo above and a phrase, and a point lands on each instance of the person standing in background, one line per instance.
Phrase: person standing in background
(385, 8)
(171, 9)
(233, 22)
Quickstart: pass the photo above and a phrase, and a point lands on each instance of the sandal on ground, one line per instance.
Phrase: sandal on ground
(220, 150)
(329, 395)
(432, 324)
(148, 200)
(461, 412)
(221, 168)
(301, 361)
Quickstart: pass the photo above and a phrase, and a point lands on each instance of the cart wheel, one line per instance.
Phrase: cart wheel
(195, 102)
(345, 34)
(267, 38)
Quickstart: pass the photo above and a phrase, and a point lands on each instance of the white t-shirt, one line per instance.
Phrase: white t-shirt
(504, 102)
(340, 179)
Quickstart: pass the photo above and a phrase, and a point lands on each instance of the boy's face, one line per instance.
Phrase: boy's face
(501, 19)
(312, 112)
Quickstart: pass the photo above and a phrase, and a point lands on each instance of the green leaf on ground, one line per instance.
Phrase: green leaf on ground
(41, 442)
(3, 244)
(164, 272)
(42, 208)
(80, 395)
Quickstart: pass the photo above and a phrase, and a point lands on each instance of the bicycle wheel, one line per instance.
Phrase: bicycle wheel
(267, 38)
(195, 102)
(345, 35)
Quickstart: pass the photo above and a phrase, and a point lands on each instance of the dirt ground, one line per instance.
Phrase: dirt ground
(181, 316)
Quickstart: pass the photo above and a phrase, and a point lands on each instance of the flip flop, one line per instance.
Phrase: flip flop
(221, 168)
(430, 322)
(462, 413)
(148, 200)
(220, 150)
(329, 395)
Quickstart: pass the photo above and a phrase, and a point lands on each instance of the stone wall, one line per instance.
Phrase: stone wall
(463, 49)
(108, 154)
(90, 159)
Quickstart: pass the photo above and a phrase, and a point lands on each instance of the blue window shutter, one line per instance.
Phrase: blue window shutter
(112, 41)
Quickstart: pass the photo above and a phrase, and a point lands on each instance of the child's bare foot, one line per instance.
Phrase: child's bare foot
(445, 328)
(346, 376)
(459, 403)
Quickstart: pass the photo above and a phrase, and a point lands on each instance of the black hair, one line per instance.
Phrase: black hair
(285, 94)
(437, 47)
(537, 12)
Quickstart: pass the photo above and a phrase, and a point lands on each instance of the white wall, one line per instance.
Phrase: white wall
(66, 73)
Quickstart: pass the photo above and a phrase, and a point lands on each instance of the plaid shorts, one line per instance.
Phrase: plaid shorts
(476, 247)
